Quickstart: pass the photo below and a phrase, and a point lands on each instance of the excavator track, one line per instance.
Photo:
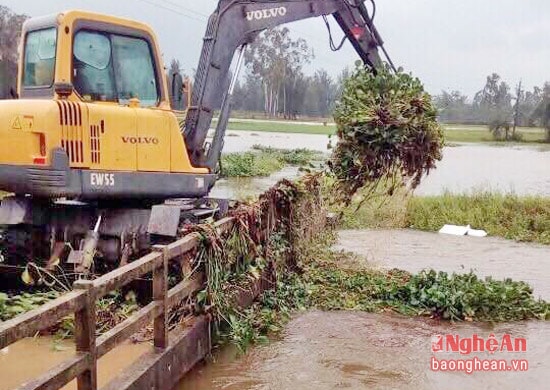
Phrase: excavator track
(92, 239)
(21, 244)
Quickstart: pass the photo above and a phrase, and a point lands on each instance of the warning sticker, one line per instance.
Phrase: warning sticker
(16, 124)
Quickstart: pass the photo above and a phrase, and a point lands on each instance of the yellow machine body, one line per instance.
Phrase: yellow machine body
(55, 129)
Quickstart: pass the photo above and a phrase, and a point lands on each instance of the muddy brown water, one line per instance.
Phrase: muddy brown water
(413, 250)
(351, 350)
(354, 350)
(29, 358)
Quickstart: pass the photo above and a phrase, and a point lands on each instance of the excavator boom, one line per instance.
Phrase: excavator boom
(92, 149)
(236, 23)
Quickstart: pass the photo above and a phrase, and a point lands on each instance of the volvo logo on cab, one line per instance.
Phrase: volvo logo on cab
(266, 13)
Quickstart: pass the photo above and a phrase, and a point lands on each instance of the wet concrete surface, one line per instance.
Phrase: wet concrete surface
(31, 357)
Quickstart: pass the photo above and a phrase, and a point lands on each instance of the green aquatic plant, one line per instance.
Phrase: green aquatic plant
(388, 134)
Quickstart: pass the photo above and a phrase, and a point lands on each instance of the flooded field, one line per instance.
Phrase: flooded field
(241, 141)
(524, 170)
(351, 350)
(359, 350)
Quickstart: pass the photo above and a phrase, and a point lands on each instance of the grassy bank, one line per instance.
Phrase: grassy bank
(263, 161)
(453, 133)
(287, 127)
(474, 133)
(509, 216)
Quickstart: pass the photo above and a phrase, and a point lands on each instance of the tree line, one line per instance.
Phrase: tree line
(498, 105)
(10, 31)
(274, 82)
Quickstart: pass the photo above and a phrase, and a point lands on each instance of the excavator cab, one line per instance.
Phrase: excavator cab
(94, 119)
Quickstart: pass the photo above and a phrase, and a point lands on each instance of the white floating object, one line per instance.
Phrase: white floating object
(4, 351)
(477, 233)
(455, 230)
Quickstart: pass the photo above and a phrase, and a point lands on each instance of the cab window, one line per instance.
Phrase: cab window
(110, 67)
(39, 60)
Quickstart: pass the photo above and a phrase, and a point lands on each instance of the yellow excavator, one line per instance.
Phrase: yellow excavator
(95, 157)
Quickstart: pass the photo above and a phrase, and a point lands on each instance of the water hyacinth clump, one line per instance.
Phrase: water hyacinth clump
(388, 134)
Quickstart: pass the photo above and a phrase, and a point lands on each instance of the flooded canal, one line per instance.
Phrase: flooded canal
(413, 251)
(354, 350)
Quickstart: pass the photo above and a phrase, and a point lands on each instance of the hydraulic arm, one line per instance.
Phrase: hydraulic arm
(92, 151)
(233, 25)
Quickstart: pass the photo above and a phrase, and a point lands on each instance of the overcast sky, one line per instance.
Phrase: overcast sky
(449, 44)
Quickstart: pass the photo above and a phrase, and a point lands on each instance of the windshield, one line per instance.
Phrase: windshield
(110, 67)
(39, 64)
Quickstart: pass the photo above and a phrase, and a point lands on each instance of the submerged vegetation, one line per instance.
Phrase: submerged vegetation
(14, 305)
(458, 297)
(111, 310)
(263, 161)
(328, 280)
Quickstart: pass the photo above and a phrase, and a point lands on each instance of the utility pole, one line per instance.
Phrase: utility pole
(516, 109)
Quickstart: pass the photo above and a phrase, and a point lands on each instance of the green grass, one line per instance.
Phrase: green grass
(509, 216)
(453, 133)
(473, 133)
(263, 161)
(290, 127)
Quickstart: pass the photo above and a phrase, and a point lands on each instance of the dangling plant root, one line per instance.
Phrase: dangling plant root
(257, 249)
